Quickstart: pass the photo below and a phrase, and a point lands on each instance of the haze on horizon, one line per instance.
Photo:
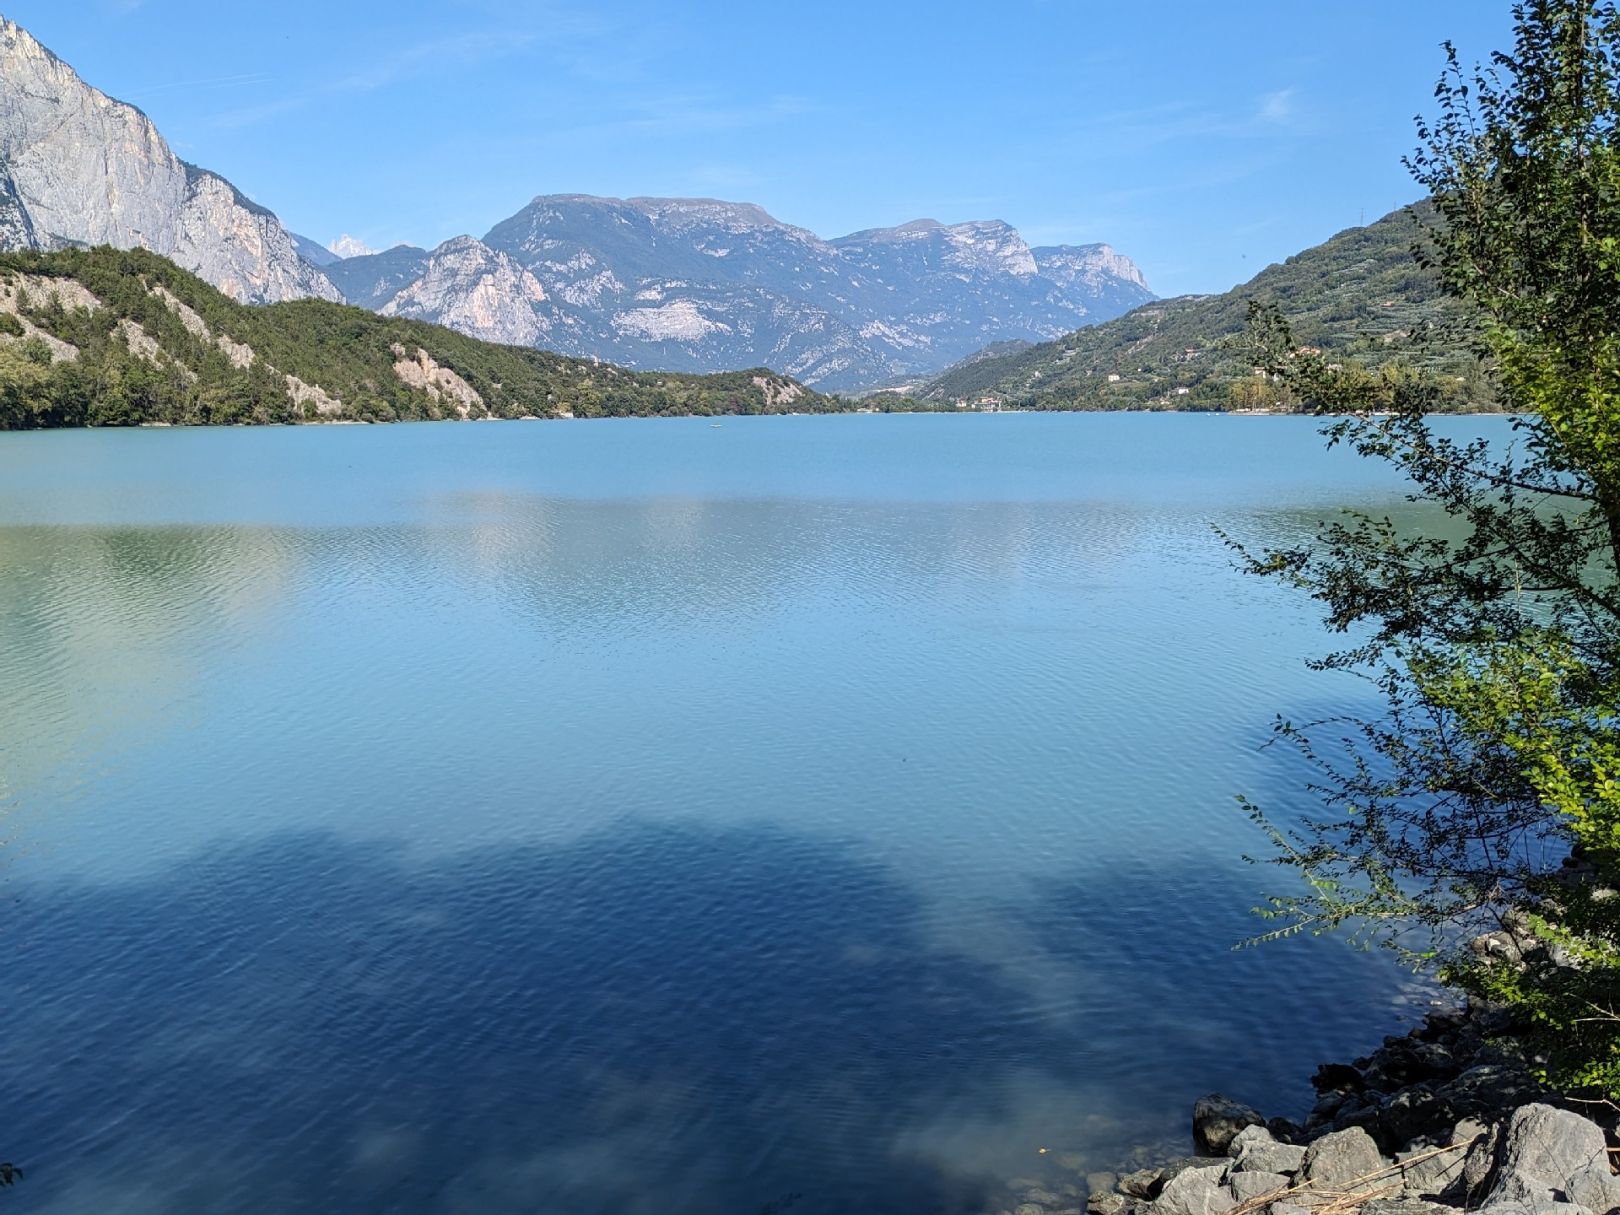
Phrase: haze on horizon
(1202, 143)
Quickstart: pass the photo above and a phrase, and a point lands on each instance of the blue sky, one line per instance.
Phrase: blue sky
(1205, 140)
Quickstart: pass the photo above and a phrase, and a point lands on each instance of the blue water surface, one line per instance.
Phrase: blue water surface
(650, 816)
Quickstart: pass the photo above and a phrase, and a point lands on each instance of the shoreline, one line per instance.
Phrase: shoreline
(716, 419)
(1445, 1119)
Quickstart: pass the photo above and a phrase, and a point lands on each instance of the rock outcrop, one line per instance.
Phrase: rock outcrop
(467, 286)
(79, 168)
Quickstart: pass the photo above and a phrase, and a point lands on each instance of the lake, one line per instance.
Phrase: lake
(650, 816)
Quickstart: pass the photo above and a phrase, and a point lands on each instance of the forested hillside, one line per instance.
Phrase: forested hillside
(1360, 299)
(109, 337)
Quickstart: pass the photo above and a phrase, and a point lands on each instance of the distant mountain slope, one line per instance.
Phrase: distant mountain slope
(108, 337)
(1357, 297)
(78, 168)
(373, 279)
(701, 284)
(315, 254)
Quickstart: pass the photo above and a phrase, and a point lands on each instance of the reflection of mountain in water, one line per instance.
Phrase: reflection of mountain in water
(108, 631)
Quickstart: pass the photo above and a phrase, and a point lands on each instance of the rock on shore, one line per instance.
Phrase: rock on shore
(1448, 1118)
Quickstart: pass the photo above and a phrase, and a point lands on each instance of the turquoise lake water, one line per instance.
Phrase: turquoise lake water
(649, 816)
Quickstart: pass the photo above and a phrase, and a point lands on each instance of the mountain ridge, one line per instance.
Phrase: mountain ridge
(698, 283)
(1359, 298)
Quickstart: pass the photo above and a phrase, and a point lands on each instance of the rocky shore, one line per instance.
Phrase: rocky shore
(1447, 1118)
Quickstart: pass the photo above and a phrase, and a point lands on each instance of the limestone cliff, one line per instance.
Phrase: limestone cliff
(79, 168)
(470, 287)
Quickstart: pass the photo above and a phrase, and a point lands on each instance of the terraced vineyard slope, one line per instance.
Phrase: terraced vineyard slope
(1359, 298)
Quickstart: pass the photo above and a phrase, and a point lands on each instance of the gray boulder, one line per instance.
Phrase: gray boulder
(1340, 1159)
(1405, 1206)
(1270, 1158)
(1550, 1146)
(1545, 1206)
(1106, 1202)
(1246, 1187)
(1426, 1175)
(1217, 1119)
(1249, 1136)
(1170, 1171)
(1255, 1150)
(1196, 1191)
(1143, 1183)
(1513, 1186)
(1480, 1162)
(1596, 1189)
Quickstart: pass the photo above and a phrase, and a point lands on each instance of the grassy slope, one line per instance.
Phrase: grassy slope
(1358, 297)
(347, 352)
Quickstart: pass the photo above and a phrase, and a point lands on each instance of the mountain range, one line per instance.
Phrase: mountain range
(696, 284)
(691, 285)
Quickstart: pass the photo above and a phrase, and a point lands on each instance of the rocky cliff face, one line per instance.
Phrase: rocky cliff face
(78, 168)
(1094, 269)
(471, 288)
(703, 285)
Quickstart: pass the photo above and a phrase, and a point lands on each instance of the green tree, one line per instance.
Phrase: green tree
(1487, 795)
(24, 382)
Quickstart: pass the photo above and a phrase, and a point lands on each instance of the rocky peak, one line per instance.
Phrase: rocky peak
(1088, 265)
(79, 168)
(688, 211)
(350, 246)
(992, 246)
(623, 231)
(480, 291)
(917, 229)
(976, 247)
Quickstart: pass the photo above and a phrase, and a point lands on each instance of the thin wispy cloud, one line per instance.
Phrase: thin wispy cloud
(414, 61)
(1180, 121)
(202, 84)
(1277, 107)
